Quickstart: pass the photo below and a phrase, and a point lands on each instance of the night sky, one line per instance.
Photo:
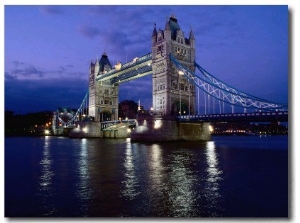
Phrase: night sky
(48, 49)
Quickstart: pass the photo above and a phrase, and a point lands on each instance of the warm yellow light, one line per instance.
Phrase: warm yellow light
(157, 124)
(180, 72)
(210, 128)
(47, 132)
(118, 66)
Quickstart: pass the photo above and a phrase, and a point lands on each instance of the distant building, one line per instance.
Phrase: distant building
(128, 109)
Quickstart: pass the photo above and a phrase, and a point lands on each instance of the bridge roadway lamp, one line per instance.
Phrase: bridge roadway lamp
(180, 72)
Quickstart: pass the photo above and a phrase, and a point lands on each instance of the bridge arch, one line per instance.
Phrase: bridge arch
(105, 115)
(180, 108)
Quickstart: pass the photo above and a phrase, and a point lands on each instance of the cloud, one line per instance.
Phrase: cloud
(9, 77)
(37, 95)
(88, 31)
(21, 70)
(26, 71)
(27, 95)
(100, 10)
(51, 9)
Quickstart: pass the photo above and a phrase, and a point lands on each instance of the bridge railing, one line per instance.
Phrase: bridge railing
(127, 75)
(254, 116)
(224, 92)
(107, 124)
(135, 62)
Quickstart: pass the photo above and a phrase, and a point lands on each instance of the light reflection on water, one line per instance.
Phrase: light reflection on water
(47, 173)
(46, 190)
(214, 176)
(83, 190)
(130, 183)
(95, 177)
(172, 179)
(181, 193)
(156, 167)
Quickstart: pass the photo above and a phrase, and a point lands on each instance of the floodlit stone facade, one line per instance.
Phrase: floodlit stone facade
(172, 92)
(103, 96)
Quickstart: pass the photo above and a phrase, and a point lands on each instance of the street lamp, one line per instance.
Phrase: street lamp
(180, 72)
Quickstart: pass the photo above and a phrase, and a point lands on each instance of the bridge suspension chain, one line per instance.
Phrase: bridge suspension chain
(79, 113)
(224, 92)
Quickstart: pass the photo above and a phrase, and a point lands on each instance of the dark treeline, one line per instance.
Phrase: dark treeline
(36, 123)
(17, 124)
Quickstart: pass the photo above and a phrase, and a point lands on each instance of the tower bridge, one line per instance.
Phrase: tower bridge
(177, 80)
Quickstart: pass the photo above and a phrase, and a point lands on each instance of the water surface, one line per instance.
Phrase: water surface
(230, 176)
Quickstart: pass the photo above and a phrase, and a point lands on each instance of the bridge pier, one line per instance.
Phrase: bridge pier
(152, 128)
(113, 130)
(86, 130)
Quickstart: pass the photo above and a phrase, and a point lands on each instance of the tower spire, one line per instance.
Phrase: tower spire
(154, 33)
(167, 26)
(192, 36)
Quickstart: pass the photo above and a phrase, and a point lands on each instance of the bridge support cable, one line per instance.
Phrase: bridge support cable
(224, 92)
(79, 113)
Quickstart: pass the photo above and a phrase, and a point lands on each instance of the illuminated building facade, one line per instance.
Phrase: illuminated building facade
(103, 96)
(172, 93)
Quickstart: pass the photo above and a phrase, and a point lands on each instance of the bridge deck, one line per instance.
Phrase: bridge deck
(137, 68)
(236, 117)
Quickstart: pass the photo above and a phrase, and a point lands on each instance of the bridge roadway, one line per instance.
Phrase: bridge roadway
(281, 116)
(137, 68)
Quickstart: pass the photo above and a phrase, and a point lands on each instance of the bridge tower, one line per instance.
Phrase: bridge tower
(103, 96)
(172, 92)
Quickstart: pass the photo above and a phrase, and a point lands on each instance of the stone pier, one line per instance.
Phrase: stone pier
(149, 128)
(153, 128)
(93, 130)
(86, 130)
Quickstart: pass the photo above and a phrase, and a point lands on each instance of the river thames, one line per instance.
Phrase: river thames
(227, 177)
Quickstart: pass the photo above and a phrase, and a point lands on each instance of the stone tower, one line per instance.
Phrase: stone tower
(103, 96)
(172, 92)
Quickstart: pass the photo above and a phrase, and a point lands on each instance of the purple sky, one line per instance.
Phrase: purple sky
(48, 49)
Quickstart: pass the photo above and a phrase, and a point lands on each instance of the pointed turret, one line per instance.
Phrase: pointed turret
(154, 35)
(97, 67)
(92, 68)
(174, 26)
(192, 38)
(104, 63)
(167, 31)
(167, 26)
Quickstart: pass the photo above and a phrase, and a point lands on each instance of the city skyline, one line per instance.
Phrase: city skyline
(48, 49)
